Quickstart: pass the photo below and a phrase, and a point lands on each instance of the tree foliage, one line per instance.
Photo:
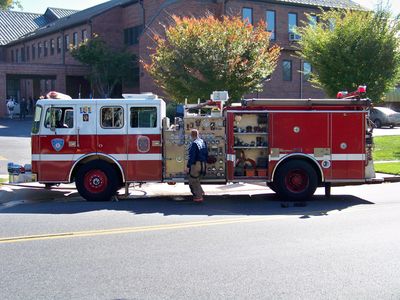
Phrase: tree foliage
(9, 4)
(361, 48)
(108, 67)
(198, 56)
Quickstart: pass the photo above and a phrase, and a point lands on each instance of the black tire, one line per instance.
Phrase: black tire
(295, 180)
(378, 123)
(96, 181)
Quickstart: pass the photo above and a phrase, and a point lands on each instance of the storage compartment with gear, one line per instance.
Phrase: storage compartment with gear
(250, 145)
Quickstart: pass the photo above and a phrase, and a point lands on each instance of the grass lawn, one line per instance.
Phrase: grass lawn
(2, 180)
(388, 168)
(387, 148)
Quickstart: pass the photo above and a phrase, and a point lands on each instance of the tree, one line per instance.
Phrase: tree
(9, 4)
(108, 67)
(349, 48)
(199, 56)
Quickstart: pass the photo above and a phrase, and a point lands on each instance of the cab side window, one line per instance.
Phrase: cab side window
(143, 117)
(112, 117)
(59, 117)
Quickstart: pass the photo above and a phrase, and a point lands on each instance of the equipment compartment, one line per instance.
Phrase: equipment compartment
(250, 145)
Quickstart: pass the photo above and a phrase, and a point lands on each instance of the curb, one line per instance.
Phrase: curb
(391, 179)
(387, 177)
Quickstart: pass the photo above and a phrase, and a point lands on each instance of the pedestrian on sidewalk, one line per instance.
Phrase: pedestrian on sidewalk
(10, 107)
(22, 109)
(196, 166)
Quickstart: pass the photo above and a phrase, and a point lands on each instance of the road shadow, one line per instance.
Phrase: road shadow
(15, 127)
(69, 202)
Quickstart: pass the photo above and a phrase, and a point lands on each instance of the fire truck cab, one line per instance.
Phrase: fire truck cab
(292, 145)
(99, 144)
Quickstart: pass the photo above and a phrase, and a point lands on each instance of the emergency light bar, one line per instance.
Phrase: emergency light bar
(361, 90)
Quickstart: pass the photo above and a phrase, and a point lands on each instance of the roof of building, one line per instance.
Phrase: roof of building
(53, 13)
(77, 18)
(324, 3)
(15, 24)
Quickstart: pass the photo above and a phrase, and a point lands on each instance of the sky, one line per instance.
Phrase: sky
(39, 6)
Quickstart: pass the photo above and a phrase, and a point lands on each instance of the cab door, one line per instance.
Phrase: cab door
(57, 143)
(112, 131)
(144, 142)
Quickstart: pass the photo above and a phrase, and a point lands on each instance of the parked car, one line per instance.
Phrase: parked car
(383, 116)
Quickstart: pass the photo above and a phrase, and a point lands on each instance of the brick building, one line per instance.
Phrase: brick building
(34, 54)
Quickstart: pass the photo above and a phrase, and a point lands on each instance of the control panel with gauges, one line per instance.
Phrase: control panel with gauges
(176, 144)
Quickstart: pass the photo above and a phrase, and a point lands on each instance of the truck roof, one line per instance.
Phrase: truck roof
(306, 102)
(140, 101)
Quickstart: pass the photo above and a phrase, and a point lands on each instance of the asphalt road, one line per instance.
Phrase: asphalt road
(386, 131)
(232, 246)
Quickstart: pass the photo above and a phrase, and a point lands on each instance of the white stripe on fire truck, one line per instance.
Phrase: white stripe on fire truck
(333, 157)
(143, 156)
(74, 157)
(348, 156)
(56, 157)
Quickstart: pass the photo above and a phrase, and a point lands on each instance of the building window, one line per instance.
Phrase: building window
(313, 20)
(33, 51)
(292, 22)
(12, 55)
(332, 24)
(132, 34)
(17, 55)
(307, 69)
(270, 19)
(27, 53)
(143, 117)
(287, 70)
(247, 15)
(112, 117)
(45, 47)
(23, 54)
(75, 39)
(39, 50)
(84, 35)
(52, 47)
(59, 44)
(66, 43)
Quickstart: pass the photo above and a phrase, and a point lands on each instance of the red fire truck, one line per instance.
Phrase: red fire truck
(292, 145)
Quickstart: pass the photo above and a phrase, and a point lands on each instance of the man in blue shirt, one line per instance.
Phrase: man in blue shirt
(196, 165)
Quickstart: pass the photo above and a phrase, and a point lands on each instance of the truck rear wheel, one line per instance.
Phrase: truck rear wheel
(296, 180)
(96, 181)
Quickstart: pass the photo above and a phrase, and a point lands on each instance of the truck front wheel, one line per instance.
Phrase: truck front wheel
(96, 181)
(295, 180)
